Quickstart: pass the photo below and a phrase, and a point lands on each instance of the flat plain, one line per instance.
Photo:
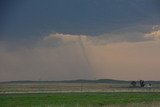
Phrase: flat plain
(77, 95)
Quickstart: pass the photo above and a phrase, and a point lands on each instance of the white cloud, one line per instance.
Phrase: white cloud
(59, 39)
(65, 37)
(135, 35)
(153, 35)
(155, 27)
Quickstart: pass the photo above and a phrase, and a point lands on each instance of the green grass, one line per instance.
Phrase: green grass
(74, 99)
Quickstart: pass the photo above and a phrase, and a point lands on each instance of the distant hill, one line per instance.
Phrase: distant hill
(96, 81)
(109, 81)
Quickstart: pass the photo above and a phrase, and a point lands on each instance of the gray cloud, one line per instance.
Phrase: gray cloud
(42, 62)
(135, 33)
(64, 56)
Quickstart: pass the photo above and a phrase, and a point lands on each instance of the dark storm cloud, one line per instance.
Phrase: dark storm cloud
(70, 39)
(31, 19)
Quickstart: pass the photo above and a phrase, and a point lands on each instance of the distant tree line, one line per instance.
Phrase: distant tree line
(141, 84)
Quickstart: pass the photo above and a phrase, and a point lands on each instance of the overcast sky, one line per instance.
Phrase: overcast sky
(79, 39)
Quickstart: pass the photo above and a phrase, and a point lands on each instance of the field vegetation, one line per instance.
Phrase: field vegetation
(78, 94)
(119, 99)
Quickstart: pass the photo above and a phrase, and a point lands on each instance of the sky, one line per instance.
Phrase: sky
(79, 39)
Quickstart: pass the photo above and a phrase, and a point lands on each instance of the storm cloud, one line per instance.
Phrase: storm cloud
(59, 56)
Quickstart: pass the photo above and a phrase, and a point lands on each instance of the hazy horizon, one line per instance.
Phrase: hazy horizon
(79, 39)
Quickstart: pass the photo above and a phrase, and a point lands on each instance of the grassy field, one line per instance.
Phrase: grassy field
(77, 95)
(70, 87)
(81, 100)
